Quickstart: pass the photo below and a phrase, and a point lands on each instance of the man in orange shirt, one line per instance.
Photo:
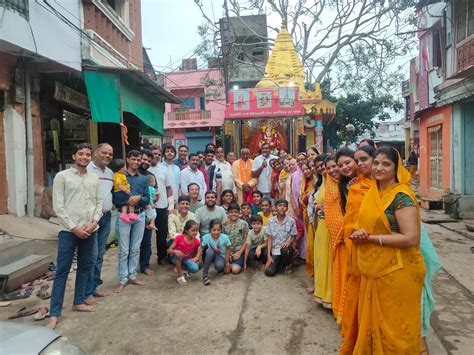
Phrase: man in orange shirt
(242, 171)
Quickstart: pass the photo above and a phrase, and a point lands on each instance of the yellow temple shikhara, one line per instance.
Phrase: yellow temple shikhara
(279, 110)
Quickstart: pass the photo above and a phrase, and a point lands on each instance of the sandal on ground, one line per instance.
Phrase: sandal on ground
(5, 303)
(24, 312)
(44, 293)
(17, 295)
(33, 283)
(206, 281)
(181, 280)
(43, 312)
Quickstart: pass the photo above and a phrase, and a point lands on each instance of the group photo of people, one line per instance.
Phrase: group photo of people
(350, 219)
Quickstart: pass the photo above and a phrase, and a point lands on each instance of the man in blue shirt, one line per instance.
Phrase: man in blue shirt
(131, 234)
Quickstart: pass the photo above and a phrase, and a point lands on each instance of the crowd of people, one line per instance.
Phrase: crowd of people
(350, 217)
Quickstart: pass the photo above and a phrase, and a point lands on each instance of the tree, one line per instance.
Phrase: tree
(355, 114)
(329, 34)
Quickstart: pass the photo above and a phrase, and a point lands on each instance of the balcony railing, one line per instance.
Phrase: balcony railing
(465, 57)
(189, 115)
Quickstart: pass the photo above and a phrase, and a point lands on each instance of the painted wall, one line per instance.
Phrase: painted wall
(185, 83)
(42, 37)
(431, 118)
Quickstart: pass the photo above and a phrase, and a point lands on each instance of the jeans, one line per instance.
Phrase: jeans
(187, 263)
(131, 235)
(145, 250)
(239, 261)
(212, 257)
(98, 252)
(67, 244)
(161, 223)
(279, 262)
(252, 259)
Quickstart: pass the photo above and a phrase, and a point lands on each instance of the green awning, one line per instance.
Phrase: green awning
(110, 89)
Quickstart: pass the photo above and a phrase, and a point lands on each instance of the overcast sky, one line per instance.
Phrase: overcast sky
(170, 30)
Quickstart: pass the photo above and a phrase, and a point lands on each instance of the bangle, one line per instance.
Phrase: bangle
(381, 240)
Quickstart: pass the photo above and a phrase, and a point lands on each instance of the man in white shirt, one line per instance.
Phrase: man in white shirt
(191, 174)
(165, 202)
(224, 171)
(174, 172)
(262, 171)
(102, 157)
(77, 203)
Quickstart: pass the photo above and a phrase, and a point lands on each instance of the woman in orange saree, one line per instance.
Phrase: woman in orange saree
(306, 189)
(388, 257)
(357, 189)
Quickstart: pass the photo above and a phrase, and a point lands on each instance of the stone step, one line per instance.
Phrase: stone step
(14, 249)
(23, 270)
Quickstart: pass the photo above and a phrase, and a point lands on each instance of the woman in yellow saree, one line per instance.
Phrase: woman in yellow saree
(389, 260)
(322, 241)
(357, 189)
(306, 189)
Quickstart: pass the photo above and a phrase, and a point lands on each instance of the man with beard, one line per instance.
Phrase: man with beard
(102, 157)
(262, 171)
(182, 160)
(210, 211)
(78, 204)
(242, 171)
(192, 175)
(165, 202)
(131, 234)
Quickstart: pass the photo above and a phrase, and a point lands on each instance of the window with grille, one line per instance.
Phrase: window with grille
(20, 6)
(436, 160)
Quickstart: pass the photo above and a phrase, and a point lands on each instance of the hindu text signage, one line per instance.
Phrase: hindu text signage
(255, 103)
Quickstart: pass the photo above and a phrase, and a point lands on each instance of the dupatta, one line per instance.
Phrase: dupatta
(333, 212)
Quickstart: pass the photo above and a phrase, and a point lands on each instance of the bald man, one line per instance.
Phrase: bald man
(242, 171)
(102, 157)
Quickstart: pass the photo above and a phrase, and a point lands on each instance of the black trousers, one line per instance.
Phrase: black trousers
(161, 223)
(252, 259)
(280, 262)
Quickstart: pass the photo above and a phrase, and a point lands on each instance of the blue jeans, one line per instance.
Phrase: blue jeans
(212, 257)
(187, 263)
(67, 244)
(131, 235)
(98, 253)
(145, 250)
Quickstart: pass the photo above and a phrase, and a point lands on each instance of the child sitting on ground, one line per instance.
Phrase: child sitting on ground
(246, 213)
(185, 251)
(257, 200)
(282, 233)
(122, 192)
(217, 252)
(266, 213)
(237, 230)
(256, 243)
(150, 212)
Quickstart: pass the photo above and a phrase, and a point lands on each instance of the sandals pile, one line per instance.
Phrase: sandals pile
(39, 312)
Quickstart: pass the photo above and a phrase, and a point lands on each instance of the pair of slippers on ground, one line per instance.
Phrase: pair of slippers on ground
(44, 293)
(40, 313)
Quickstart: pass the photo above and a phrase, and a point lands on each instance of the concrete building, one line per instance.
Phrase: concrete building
(391, 133)
(194, 121)
(245, 49)
(439, 104)
(70, 72)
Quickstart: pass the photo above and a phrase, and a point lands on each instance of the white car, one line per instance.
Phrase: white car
(17, 338)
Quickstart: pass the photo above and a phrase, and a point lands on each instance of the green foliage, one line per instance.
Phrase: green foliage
(357, 114)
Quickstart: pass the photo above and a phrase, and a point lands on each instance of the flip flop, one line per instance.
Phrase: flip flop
(5, 303)
(43, 312)
(24, 312)
(44, 293)
(17, 295)
(33, 283)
